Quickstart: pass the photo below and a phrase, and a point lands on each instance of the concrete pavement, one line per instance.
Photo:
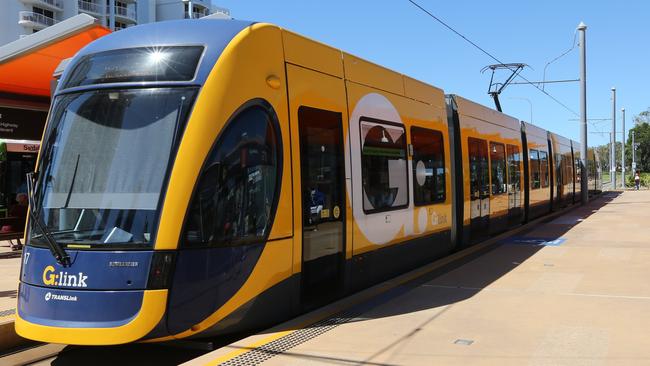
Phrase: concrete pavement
(573, 291)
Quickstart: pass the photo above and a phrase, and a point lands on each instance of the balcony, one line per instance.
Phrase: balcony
(90, 7)
(123, 14)
(218, 10)
(35, 20)
(53, 5)
(195, 15)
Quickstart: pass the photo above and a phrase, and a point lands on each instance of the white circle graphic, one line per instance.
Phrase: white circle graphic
(381, 227)
(422, 220)
(420, 173)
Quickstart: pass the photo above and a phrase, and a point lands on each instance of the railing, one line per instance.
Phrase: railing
(216, 9)
(55, 3)
(195, 15)
(31, 17)
(90, 6)
(122, 11)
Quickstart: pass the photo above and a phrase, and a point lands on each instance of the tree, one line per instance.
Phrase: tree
(642, 139)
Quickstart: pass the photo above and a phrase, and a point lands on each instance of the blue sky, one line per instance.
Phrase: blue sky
(399, 36)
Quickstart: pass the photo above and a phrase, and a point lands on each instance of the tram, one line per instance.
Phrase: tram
(205, 177)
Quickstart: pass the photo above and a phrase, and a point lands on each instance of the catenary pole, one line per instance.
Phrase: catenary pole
(623, 148)
(633, 155)
(584, 184)
(612, 140)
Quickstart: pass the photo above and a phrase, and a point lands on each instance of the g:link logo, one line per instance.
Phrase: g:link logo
(63, 279)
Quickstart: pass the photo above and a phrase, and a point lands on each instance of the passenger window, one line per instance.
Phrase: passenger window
(321, 165)
(558, 170)
(235, 197)
(534, 169)
(514, 168)
(543, 168)
(498, 168)
(428, 166)
(383, 166)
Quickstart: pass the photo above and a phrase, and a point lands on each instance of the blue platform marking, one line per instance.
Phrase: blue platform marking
(523, 240)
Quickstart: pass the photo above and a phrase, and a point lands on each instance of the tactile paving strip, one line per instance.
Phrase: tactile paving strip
(7, 312)
(281, 345)
(262, 353)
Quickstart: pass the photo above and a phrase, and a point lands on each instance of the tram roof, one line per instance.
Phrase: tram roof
(213, 34)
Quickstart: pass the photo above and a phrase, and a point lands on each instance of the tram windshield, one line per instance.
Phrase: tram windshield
(103, 165)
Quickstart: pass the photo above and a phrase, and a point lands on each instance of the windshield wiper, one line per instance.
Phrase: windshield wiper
(57, 251)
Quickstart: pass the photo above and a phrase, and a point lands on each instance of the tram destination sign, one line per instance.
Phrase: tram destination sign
(21, 124)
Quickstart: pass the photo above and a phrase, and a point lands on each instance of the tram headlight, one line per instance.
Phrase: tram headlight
(160, 273)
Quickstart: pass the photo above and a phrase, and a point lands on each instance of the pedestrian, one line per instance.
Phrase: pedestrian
(637, 180)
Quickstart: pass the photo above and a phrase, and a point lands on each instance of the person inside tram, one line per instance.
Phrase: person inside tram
(317, 200)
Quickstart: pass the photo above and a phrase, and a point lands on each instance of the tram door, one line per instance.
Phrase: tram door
(514, 185)
(479, 190)
(318, 119)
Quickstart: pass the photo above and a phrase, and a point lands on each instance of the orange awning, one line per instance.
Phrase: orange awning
(30, 73)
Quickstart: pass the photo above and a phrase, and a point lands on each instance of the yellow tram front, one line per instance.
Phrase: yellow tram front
(136, 164)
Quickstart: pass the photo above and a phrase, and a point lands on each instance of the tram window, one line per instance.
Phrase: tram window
(498, 168)
(234, 198)
(428, 166)
(534, 169)
(321, 165)
(383, 166)
(514, 168)
(176, 63)
(543, 167)
(558, 170)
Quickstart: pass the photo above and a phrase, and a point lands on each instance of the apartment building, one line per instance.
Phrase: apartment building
(19, 18)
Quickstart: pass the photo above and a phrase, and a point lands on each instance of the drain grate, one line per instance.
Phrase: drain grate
(464, 342)
(281, 345)
(7, 312)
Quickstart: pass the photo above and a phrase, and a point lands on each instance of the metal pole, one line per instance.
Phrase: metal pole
(111, 15)
(633, 155)
(612, 140)
(623, 149)
(584, 184)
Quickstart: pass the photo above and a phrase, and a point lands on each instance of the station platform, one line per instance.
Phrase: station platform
(9, 273)
(571, 291)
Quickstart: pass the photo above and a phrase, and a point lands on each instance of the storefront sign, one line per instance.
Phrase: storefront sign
(21, 124)
(20, 147)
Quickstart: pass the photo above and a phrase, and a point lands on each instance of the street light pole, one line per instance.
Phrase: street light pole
(584, 184)
(612, 140)
(529, 103)
(623, 149)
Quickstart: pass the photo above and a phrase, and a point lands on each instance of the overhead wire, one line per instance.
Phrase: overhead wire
(491, 56)
(573, 46)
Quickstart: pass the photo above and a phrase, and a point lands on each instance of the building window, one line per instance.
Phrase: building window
(534, 170)
(236, 194)
(543, 168)
(498, 168)
(383, 165)
(428, 166)
(47, 13)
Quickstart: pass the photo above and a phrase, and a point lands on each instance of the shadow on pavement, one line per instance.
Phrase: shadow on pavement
(467, 277)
